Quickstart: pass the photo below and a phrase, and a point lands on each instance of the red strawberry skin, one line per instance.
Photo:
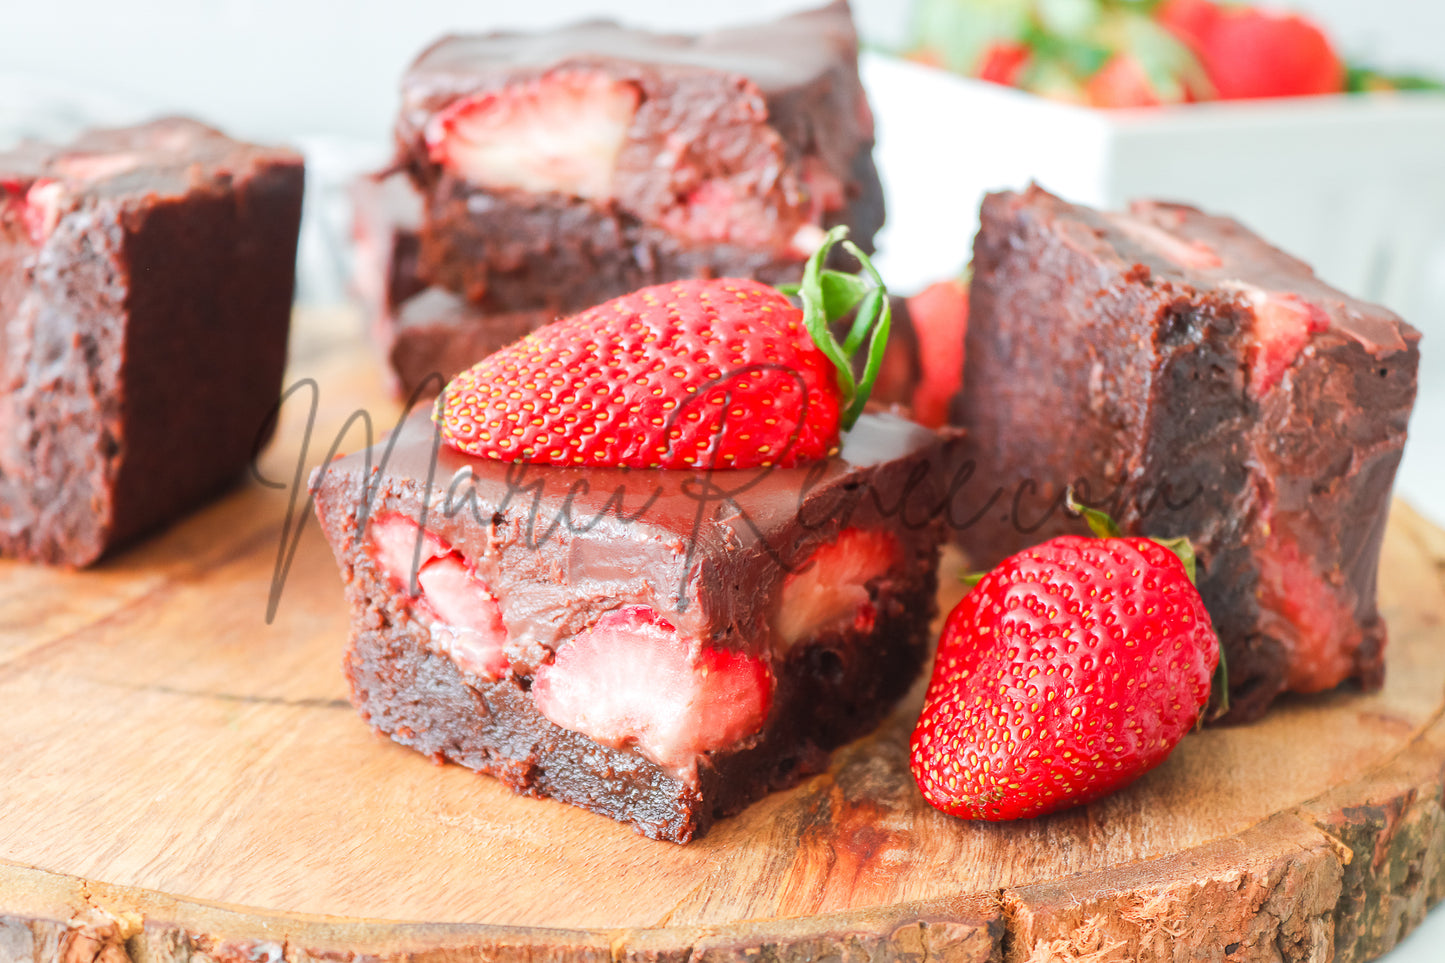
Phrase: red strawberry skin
(1189, 20)
(693, 374)
(1065, 674)
(940, 322)
(1249, 53)
(1002, 63)
(1120, 84)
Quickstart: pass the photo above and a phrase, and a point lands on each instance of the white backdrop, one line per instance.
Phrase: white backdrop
(281, 69)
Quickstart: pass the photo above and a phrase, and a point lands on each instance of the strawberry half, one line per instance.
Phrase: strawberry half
(633, 680)
(1002, 62)
(716, 373)
(560, 132)
(464, 617)
(1066, 673)
(469, 624)
(37, 205)
(1283, 325)
(832, 586)
(1120, 84)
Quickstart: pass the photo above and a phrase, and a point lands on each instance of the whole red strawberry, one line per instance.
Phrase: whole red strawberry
(1066, 673)
(1250, 53)
(718, 373)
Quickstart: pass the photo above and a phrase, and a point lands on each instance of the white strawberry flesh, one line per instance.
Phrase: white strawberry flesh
(633, 680)
(38, 206)
(90, 168)
(463, 615)
(469, 626)
(1283, 324)
(558, 133)
(831, 589)
(394, 547)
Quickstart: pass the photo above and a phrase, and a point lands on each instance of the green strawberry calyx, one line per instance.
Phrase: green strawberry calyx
(1104, 527)
(829, 296)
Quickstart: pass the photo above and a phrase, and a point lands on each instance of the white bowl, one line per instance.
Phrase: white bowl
(1353, 184)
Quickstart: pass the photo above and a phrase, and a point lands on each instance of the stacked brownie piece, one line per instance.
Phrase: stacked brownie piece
(549, 172)
(145, 296)
(628, 640)
(1194, 380)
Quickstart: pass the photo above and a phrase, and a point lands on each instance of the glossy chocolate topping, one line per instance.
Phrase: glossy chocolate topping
(791, 52)
(559, 546)
(168, 157)
(1208, 252)
(698, 95)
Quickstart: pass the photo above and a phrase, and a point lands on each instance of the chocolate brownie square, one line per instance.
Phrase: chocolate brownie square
(565, 167)
(662, 647)
(437, 334)
(145, 283)
(1196, 381)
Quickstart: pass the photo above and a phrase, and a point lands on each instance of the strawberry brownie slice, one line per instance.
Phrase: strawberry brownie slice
(653, 559)
(1193, 380)
(146, 276)
(565, 167)
(662, 647)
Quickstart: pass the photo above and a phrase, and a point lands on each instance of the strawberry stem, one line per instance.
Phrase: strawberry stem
(829, 296)
(1099, 522)
(1184, 549)
(1105, 527)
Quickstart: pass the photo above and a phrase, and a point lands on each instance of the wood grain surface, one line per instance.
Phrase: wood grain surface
(183, 780)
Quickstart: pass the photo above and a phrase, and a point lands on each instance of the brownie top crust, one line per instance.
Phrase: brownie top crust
(746, 136)
(790, 52)
(707, 550)
(167, 157)
(1192, 379)
(1209, 253)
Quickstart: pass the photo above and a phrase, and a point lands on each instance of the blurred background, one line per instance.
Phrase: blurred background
(322, 74)
(286, 68)
(282, 69)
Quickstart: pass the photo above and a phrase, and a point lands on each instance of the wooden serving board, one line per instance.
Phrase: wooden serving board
(184, 781)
